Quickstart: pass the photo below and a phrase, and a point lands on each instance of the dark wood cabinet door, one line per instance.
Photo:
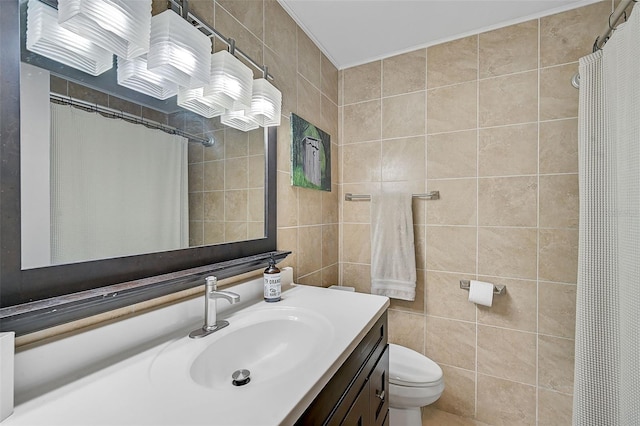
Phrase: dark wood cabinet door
(359, 413)
(379, 390)
(333, 403)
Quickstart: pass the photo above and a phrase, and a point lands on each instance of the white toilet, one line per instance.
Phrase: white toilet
(414, 381)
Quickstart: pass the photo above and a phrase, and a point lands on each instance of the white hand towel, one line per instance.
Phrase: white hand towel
(393, 261)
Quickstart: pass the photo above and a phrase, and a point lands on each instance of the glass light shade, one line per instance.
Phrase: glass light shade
(230, 82)
(193, 100)
(239, 120)
(119, 26)
(47, 38)
(178, 51)
(133, 73)
(266, 103)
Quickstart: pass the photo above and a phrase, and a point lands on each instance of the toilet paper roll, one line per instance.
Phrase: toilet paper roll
(481, 293)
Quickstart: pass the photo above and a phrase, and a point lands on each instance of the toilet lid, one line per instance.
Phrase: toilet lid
(410, 368)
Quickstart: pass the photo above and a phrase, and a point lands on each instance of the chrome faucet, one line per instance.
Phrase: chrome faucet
(211, 294)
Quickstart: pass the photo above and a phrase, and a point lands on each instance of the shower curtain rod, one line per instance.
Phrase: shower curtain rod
(131, 118)
(615, 16)
(604, 36)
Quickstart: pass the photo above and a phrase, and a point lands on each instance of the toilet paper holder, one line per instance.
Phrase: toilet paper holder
(497, 289)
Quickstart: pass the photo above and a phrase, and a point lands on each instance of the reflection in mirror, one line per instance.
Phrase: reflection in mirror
(34, 298)
(97, 187)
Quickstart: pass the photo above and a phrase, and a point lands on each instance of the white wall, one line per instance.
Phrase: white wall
(34, 166)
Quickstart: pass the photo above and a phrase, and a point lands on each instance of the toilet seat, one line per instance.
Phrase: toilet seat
(412, 369)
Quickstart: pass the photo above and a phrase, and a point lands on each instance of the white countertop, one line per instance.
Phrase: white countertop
(128, 392)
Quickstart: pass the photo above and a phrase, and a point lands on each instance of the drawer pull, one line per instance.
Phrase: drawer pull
(380, 394)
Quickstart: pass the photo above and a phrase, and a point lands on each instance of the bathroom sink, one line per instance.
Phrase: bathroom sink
(293, 348)
(270, 342)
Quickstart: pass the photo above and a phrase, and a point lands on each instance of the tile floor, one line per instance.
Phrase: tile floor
(433, 417)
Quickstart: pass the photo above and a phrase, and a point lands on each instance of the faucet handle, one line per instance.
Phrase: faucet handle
(211, 283)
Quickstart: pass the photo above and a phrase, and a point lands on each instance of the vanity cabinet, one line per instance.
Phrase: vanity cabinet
(358, 394)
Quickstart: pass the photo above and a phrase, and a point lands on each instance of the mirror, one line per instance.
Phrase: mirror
(206, 243)
(96, 186)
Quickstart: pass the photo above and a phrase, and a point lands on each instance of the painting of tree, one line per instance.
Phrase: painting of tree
(310, 155)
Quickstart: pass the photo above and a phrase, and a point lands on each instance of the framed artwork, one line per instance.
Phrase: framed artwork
(310, 155)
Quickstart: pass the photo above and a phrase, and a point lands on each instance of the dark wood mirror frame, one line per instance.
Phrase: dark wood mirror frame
(19, 286)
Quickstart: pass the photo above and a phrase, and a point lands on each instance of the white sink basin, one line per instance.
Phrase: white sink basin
(270, 342)
(267, 343)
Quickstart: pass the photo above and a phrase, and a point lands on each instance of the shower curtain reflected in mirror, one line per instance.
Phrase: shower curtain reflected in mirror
(117, 188)
(607, 372)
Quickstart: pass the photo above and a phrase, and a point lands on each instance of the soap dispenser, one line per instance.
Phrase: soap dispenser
(272, 283)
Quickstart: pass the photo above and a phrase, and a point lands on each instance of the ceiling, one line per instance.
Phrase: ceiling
(354, 32)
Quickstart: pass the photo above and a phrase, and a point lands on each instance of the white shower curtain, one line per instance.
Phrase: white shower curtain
(117, 188)
(607, 369)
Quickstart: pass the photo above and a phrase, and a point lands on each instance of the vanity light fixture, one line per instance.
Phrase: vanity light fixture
(230, 81)
(133, 73)
(84, 33)
(247, 104)
(240, 120)
(119, 26)
(193, 100)
(266, 107)
(178, 51)
(266, 103)
(47, 38)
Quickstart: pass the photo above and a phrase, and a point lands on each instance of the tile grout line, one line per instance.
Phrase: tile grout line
(224, 171)
(537, 402)
(477, 79)
(475, 415)
(379, 140)
(471, 129)
(340, 98)
(423, 220)
(295, 190)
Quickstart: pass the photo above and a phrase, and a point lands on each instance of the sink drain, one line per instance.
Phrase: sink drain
(240, 377)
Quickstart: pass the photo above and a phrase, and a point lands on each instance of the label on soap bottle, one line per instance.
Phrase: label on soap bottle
(272, 287)
(272, 283)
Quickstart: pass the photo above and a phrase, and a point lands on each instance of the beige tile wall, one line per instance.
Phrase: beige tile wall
(491, 122)
(307, 219)
(226, 186)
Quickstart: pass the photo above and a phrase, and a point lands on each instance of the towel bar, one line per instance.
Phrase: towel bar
(433, 195)
(497, 289)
